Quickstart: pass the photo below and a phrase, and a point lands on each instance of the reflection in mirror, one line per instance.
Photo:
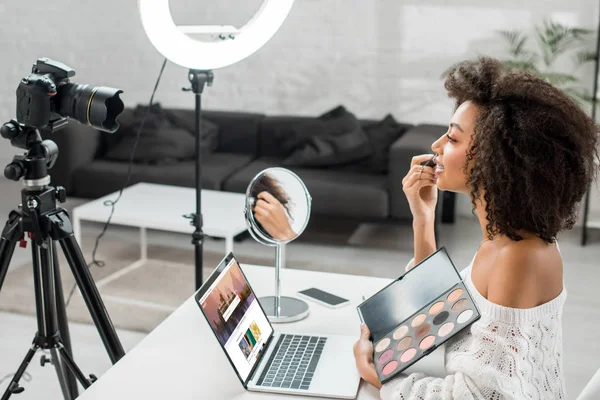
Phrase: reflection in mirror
(280, 205)
(277, 211)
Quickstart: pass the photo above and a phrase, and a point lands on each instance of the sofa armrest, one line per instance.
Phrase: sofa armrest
(415, 141)
(77, 145)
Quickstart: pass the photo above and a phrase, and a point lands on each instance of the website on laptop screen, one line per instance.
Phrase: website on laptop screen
(236, 318)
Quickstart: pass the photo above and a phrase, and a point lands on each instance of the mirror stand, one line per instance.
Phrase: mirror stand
(279, 308)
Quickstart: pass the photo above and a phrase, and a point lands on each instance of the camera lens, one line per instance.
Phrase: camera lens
(97, 106)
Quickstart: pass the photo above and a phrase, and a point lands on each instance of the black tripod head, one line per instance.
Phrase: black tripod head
(39, 157)
(38, 198)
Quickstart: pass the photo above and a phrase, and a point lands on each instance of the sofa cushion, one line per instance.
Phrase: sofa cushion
(238, 131)
(335, 192)
(102, 177)
(208, 129)
(280, 135)
(381, 137)
(331, 149)
(165, 138)
(333, 123)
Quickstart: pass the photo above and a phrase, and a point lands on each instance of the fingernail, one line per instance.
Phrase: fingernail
(362, 326)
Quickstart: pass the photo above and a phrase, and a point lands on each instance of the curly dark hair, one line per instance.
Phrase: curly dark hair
(532, 150)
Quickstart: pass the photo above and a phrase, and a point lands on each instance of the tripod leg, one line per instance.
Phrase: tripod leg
(68, 361)
(13, 386)
(89, 291)
(63, 325)
(45, 282)
(7, 249)
(61, 375)
(10, 234)
(46, 286)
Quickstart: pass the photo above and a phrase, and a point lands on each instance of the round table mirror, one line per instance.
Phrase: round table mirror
(277, 211)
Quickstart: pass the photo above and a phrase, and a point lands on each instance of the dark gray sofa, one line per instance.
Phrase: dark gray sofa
(248, 143)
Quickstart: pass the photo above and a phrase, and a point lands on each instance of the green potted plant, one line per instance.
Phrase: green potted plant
(556, 44)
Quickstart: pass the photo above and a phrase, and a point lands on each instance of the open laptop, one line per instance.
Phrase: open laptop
(266, 360)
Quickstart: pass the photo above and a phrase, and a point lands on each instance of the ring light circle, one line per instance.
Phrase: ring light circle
(181, 49)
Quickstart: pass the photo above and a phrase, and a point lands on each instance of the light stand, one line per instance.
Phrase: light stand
(198, 78)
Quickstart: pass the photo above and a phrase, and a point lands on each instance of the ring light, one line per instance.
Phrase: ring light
(228, 45)
(235, 44)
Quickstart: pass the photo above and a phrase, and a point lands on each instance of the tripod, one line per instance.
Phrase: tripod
(45, 224)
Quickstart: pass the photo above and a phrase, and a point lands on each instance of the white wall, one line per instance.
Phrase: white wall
(375, 57)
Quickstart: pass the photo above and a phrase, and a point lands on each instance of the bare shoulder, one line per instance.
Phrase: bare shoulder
(525, 275)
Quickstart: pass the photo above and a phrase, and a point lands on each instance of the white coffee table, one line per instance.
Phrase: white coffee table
(161, 207)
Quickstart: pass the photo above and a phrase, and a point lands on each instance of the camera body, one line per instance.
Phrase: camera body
(37, 93)
(45, 100)
(46, 97)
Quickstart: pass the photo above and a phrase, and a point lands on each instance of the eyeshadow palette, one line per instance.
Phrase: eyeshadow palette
(415, 314)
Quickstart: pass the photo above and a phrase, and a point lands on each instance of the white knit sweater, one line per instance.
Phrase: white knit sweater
(508, 353)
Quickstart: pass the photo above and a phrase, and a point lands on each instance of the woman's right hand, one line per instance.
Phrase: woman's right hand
(271, 214)
(420, 188)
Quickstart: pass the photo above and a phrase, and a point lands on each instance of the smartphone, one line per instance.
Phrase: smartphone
(324, 298)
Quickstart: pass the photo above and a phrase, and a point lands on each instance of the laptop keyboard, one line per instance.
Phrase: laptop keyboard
(293, 362)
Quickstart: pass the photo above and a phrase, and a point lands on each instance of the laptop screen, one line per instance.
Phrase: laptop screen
(235, 316)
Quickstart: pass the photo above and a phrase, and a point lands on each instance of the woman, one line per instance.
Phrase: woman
(523, 152)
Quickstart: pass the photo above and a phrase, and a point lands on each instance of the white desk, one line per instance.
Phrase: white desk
(161, 207)
(182, 359)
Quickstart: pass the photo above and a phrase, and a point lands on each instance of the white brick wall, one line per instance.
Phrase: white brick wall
(375, 57)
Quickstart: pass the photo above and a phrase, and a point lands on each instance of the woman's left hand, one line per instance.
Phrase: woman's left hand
(363, 356)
